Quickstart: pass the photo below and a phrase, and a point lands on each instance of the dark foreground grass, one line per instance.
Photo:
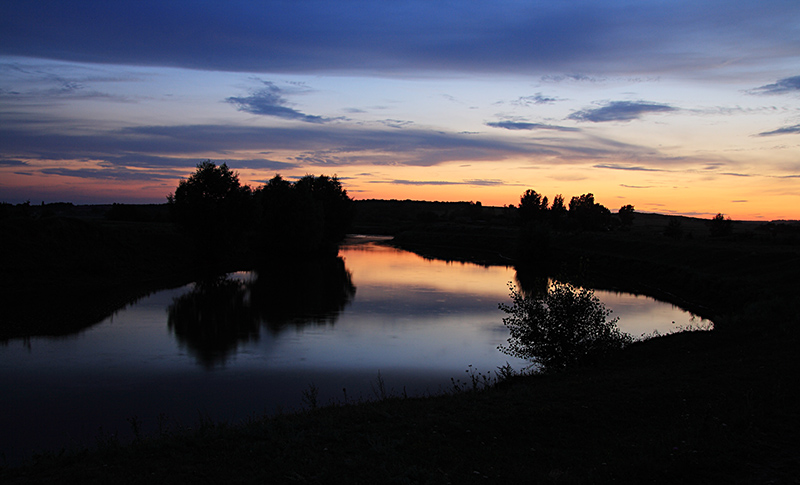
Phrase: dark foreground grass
(686, 408)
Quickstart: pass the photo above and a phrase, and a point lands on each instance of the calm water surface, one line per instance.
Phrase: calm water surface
(245, 345)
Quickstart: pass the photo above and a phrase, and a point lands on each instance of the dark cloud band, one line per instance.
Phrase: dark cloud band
(353, 35)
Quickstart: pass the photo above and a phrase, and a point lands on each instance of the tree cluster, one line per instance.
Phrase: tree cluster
(306, 217)
(582, 213)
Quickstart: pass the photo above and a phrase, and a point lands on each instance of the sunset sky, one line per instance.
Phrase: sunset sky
(675, 106)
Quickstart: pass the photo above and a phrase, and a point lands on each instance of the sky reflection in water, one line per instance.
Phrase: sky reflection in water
(418, 322)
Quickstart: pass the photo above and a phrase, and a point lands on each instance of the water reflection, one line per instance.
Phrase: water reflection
(419, 322)
(219, 314)
(309, 292)
(532, 283)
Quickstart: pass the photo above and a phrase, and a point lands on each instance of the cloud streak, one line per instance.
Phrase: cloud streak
(627, 168)
(538, 98)
(473, 182)
(524, 125)
(620, 111)
(789, 85)
(786, 130)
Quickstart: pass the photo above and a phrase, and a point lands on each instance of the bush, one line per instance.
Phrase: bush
(720, 226)
(562, 328)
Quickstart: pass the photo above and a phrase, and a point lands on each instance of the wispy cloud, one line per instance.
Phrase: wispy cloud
(786, 85)
(47, 82)
(524, 125)
(559, 78)
(786, 130)
(12, 163)
(396, 123)
(620, 111)
(269, 101)
(628, 168)
(116, 173)
(473, 182)
(538, 98)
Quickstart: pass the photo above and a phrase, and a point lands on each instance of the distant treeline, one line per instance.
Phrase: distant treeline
(312, 215)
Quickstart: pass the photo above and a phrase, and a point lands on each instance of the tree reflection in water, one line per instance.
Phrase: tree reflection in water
(532, 282)
(220, 313)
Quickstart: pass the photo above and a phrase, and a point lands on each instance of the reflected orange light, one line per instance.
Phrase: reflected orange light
(387, 266)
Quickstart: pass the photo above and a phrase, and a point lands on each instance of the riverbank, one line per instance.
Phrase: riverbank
(744, 282)
(703, 407)
(63, 274)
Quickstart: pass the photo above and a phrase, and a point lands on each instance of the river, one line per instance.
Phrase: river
(377, 321)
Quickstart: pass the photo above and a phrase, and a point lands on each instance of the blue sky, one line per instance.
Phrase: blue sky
(688, 107)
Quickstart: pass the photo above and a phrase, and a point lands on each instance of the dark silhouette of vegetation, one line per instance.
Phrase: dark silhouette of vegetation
(720, 226)
(587, 214)
(535, 222)
(561, 328)
(532, 207)
(211, 203)
(308, 217)
(583, 213)
(626, 216)
(558, 212)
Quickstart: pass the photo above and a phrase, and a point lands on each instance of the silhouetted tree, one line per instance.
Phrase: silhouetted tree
(720, 226)
(331, 203)
(558, 212)
(588, 214)
(626, 215)
(212, 203)
(286, 223)
(534, 242)
(532, 207)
